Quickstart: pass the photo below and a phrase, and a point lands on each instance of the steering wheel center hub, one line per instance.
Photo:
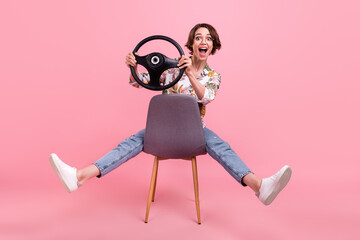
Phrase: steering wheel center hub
(155, 60)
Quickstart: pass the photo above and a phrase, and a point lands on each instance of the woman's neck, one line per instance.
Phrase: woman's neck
(197, 64)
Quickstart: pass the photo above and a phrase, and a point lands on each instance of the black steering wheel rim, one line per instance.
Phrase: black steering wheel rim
(151, 61)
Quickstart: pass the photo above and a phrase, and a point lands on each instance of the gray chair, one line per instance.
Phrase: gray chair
(174, 131)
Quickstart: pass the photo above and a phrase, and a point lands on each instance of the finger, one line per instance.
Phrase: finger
(130, 59)
(182, 61)
(184, 66)
(181, 58)
(130, 62)
(132, 65)
(127, 58)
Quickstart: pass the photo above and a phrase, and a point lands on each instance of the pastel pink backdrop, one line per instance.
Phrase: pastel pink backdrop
(289, 95)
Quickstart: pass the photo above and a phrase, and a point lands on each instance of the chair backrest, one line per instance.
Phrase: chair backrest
(174, 128)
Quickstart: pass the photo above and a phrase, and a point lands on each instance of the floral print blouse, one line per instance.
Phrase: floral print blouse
(208, 77)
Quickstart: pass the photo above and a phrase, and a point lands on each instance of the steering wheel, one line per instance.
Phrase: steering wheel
(156, 63)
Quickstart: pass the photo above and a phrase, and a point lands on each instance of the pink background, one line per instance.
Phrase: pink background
(289, 95)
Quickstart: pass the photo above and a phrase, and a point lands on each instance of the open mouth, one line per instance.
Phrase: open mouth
(202, 50)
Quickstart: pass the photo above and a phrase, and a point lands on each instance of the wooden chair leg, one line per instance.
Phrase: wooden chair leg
(153, 196)
(196, 188)
(152, 188)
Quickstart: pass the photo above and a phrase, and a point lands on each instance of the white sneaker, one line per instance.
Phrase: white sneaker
(272, 186)
(65, 173)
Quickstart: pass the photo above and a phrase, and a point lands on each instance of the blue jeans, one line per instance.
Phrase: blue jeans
(215, 146)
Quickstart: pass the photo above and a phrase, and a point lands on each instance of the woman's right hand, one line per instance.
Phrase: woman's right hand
(130, 60)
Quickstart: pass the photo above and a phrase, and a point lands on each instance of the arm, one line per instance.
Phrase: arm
(185, 62)
(204, 93)
(198, 87)
(211, 87)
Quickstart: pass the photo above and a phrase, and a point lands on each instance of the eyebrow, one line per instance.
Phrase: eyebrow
(201, 34)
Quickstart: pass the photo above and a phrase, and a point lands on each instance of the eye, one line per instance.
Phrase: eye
(197, 38)
(209, 39)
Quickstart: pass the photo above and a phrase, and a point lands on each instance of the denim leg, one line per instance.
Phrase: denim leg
(222, 152)
(127, 149)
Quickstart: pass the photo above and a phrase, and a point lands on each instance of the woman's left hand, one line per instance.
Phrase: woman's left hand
(185, 62)
(190, 72)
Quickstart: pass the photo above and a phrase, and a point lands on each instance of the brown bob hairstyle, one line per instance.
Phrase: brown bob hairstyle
(213, 33)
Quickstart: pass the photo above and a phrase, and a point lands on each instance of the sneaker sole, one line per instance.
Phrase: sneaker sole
(53, 159)
(283, 181)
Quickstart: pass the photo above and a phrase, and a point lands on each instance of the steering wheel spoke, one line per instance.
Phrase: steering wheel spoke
(170, 63)
(142, 60)
(155, 77)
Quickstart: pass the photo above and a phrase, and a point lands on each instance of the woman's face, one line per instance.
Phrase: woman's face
(203, 44)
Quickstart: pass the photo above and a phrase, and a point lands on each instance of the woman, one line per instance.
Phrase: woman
(202, 82)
